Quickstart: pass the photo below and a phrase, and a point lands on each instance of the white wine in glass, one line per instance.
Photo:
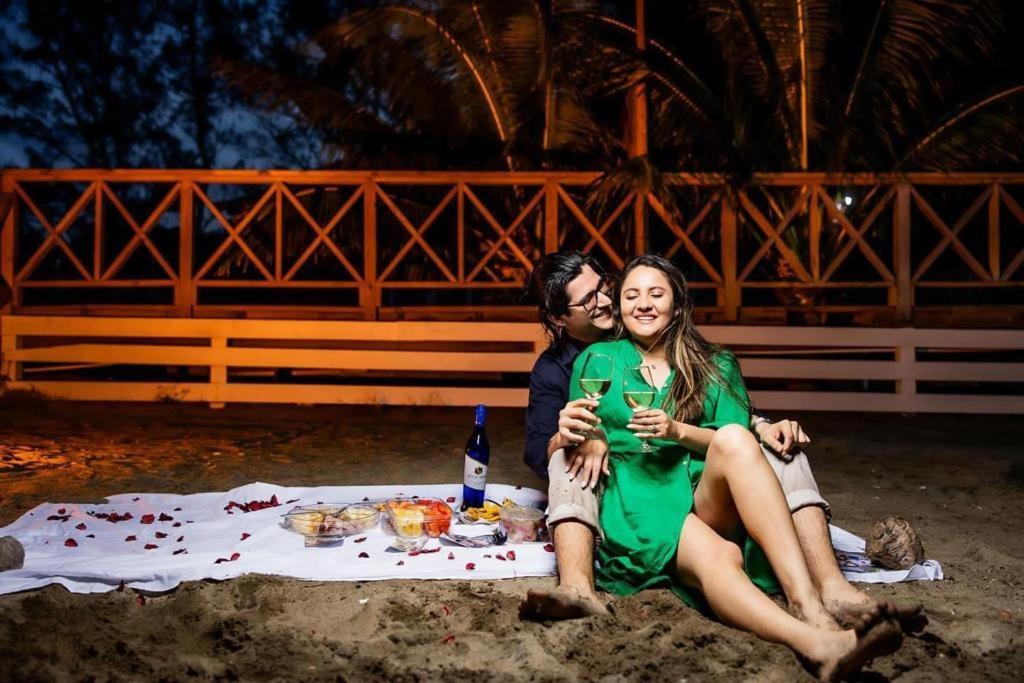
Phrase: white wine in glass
(638, 392)
(596, 377)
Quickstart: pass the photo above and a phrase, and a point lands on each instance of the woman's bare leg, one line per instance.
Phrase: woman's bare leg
(739, 490)
(706, 561)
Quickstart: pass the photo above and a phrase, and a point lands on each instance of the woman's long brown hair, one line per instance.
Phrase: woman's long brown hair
(687, 350)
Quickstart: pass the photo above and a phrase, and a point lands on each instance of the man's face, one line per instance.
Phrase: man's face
(590, 309)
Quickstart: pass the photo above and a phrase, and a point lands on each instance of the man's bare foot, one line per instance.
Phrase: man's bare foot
(840, 655)
(849, 605)
(563, 602)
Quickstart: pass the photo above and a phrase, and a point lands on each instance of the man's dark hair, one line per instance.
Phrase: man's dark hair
(546, 287)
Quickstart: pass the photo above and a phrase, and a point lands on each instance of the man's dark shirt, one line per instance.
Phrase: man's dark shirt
(549, 392)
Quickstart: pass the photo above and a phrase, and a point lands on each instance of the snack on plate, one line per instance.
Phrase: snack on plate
(413, 518)
(490, 512)
(522, 524)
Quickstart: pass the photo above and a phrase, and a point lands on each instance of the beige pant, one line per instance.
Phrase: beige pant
(567, 501)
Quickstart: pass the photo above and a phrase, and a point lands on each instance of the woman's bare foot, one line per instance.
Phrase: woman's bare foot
(815, 615)
(838, 655)
(564, 602)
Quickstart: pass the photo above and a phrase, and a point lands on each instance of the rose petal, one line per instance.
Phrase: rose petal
(71, 543)
(451, 556)
(448, 639)
(447, 611)
(511, 554)
(245, 535)
(180, 551)
(160, 534)
(399, 563)
(90, 535)
(135, 500)
(450, 499)
(147, 519)
(499, 556)
(470, 566)
(235, 556)
(150, 546)
(177, 510)
(363, 555)
(176, 525)
(129, 539)
(80, 526)
(360, 539)
(548, 547)
(165, 517)
(61, 511)
(180, 539)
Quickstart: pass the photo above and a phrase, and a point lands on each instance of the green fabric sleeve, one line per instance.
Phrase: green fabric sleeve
(731, 404)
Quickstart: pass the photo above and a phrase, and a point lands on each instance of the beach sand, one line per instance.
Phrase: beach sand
(960, 480)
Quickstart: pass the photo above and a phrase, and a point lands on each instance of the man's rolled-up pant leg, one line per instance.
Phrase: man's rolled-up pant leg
(567, 501)
(797, 481)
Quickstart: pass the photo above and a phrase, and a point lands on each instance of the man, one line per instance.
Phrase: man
(575, 309)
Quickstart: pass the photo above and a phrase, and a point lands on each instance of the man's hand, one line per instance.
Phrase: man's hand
(575, 417)
(653, 424)
(589, 463)
(783, 437)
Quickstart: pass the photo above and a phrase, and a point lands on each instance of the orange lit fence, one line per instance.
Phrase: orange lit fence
(923, 248)
(463, 363)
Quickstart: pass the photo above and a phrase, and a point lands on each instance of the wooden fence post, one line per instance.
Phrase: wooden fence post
(902, 295)
(369, 292)
(550, 216)
(730, 285)
(8, 228)
(218, 374)
(185, 292)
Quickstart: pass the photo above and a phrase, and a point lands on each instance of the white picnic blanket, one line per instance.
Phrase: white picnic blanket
(79, 547)
(200, 525)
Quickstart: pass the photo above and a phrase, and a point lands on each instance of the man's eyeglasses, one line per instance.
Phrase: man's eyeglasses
(589, 302)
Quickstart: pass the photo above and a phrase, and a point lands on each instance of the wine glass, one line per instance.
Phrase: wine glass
(596, 377)
(638, 392)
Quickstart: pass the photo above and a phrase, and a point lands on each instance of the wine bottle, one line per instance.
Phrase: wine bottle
(478, 454)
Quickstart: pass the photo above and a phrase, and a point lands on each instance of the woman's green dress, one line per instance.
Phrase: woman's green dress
(647, 496)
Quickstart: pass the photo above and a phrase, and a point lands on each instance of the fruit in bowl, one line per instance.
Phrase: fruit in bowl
(415, 517)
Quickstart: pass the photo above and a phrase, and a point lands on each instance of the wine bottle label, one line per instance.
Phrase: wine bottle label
(474, 475)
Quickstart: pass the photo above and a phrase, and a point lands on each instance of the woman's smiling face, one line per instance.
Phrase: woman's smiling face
(646, 304)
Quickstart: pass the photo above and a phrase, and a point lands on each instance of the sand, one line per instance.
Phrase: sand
(958, 479)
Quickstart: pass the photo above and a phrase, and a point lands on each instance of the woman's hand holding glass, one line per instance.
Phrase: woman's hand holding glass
(654, 423)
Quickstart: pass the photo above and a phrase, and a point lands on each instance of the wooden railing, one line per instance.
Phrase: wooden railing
(921, 248)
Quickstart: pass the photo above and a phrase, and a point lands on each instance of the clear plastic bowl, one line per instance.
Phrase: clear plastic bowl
(417, 517)
(522, 524)
(322, 524)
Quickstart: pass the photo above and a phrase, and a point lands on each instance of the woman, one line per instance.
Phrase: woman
(678, 516)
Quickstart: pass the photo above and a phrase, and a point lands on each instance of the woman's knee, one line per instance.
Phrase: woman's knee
(734, 441)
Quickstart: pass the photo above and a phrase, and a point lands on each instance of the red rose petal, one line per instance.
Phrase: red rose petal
(180, 539)
(235, 556)
(61, 511)
(365, 499)
(141, 600)
(71, 543)
(487, 556)
(360, 539)
(451, 556)
(129, 539)
(80, 526)
(177, 509)
(447, 611)
(448, 639)
(293, 500)
(165, 517)
(511, 554)
(150, 546)
(147, 519)
(135, 500)
(548, 547)
(90, 535)
(399, 563)
(470, 566)
(499, 556)
(180, 551)
(363, 555)
(245, 535)
(176, 525)
(432, 550)
(160, 534)
(450, 499)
